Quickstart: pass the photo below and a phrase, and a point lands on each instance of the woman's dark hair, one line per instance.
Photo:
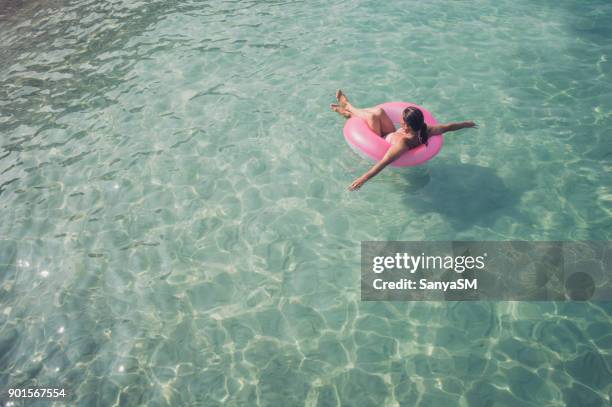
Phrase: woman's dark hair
(413, 117)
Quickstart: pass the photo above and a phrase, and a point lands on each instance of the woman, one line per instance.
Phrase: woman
(412, 133)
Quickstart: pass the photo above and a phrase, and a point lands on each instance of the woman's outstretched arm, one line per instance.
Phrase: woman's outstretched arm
(392, 154)
(453, 126)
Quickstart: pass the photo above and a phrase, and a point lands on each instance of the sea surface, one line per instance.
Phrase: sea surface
(175, 228)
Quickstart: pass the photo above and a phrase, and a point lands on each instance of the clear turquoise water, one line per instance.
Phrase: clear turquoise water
(174, 224)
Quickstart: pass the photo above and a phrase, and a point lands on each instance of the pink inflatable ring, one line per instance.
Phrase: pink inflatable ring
(370, 145)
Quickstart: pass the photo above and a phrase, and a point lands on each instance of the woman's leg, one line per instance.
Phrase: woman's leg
(376, 118)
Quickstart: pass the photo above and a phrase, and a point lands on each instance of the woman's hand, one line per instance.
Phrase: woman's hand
(391, 155)
(470, 124)
(357, 183)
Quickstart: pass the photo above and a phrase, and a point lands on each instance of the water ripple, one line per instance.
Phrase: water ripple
(175, 228)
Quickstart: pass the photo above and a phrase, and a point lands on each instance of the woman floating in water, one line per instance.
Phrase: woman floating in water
(412, 133)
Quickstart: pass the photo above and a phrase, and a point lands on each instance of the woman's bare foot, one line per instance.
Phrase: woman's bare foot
(342, 99)
(340, 110)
